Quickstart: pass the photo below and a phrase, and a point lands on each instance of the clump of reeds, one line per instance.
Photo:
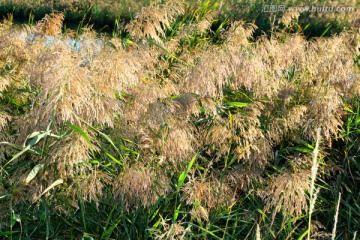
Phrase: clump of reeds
(152, 21)
(103, 121)
(51, 24)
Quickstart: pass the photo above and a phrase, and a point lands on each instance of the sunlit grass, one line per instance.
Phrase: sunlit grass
(181, 125)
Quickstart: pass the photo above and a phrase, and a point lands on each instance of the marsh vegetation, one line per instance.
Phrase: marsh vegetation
(190, 120)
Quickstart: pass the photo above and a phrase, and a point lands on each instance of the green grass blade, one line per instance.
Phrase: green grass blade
(78, 130)
(185, 173)
(33, 173)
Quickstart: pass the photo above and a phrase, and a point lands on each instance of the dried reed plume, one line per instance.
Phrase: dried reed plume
(286, 193)
(139, 186)
(208, 195)
(152, 21)
(313, 191)
(333, 235)
(51, 24)
(234, 102)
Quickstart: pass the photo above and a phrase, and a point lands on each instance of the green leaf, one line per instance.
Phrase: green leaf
(171, 55)
(108, 231)
(303, 149)
(128, 149)
(14, 218)
(6, 195)
(326, 30)
(305, 144)
(176, 213)
(33, 173)
(349, 110)
(207, 231)
(54, 184)
(37, 136)
(155, 214)
(303, 235)
(185, 173)
(78, 130)
(114, 159)
(236, 104)
(109, 140)
(8, 233)
(89, 162)
(157, 223)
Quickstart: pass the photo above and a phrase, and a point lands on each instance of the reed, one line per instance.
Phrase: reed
(185, 126)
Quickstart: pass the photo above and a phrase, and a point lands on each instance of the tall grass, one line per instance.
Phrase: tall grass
(183, 125)
(105, 15)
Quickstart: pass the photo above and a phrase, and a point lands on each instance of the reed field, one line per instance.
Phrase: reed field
(179, 120)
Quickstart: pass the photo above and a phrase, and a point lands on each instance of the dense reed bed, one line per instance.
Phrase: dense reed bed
(183, 126)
